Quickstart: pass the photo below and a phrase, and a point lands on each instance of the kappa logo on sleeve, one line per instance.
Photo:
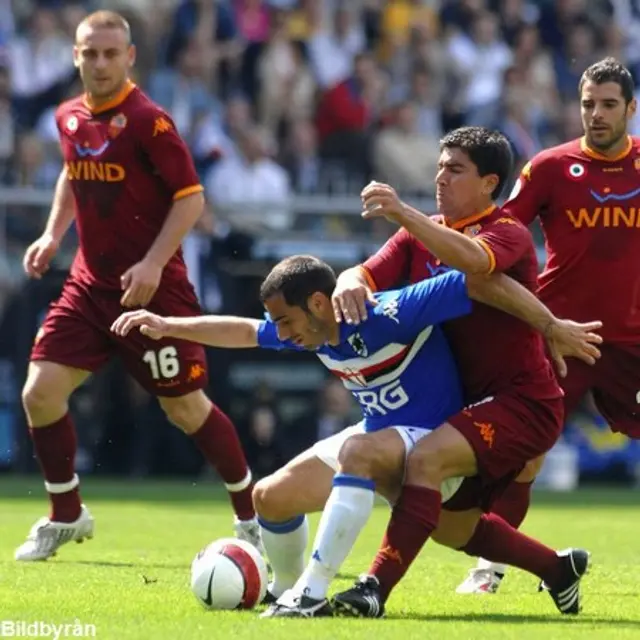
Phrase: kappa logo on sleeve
(161, 125)
(390, 310)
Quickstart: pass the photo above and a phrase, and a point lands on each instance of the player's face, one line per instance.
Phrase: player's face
(305, 327)
(460, 190)
(604, 114)
(103, 56)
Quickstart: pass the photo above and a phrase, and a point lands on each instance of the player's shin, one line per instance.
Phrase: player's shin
(344, 516)
(218, 441)
(55, 447)
(413, 520)
(285, 544)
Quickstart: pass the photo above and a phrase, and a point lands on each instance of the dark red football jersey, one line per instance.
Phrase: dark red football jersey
(494, 351)
(589, 209)
(127, 165)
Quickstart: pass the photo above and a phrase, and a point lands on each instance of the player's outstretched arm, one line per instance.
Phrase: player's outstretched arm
(454, 249)
(565, 338)
(229, 332)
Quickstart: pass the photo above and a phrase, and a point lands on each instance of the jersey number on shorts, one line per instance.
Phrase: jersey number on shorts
(163, 363)
(381, 401)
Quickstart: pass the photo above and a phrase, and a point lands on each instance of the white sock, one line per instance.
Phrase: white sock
(492, 566)
(344, 516)
(285, 544)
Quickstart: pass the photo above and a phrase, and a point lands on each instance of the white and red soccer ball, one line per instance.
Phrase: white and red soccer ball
(229, 574)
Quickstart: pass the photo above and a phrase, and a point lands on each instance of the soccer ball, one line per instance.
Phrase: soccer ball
(229, 574)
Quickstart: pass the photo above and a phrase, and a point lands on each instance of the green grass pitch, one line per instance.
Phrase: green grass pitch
(131, 581)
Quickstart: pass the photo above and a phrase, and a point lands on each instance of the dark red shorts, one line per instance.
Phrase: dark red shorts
(505, 432)
(615, 383)
(76, 333)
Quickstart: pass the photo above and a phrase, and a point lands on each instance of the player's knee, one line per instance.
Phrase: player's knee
(531, 470)
(188, 413)
(269, 502)
(357, 456)
(40, 395)
(424, 464)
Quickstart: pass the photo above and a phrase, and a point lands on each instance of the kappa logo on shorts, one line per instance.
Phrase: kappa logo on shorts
(487, 432)
(196, 371)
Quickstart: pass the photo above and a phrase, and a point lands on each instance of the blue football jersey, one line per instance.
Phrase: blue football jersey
(398, 363)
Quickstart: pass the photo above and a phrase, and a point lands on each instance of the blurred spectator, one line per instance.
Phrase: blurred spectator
(347, 113)
(403, 156)
(32, 167)
(426, 95)
(252, 183)
(287, 88)
(300, 157)
(480, 60)
(264, 446)
(183, 90)
(7, 127)
(332, 52)
(514, 15)
(41, 64)
(252, 20)
(578, 53)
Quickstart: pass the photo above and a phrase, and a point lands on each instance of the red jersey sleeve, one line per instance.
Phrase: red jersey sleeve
(531, 193)
(391, 264)
(167, 152)
(506, 241)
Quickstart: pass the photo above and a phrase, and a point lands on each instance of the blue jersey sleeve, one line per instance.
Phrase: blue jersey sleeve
(268, 338)
(409, 310)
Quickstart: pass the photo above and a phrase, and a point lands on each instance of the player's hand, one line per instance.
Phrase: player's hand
(140, 283)
(38, 256)
(569, 339)
(349, 302)
(381, 201)
(149, 324)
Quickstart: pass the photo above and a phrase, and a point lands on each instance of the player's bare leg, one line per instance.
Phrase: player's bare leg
(363, 459)
(216, 437)
(282, 501)
(45, 399)
(512, 507)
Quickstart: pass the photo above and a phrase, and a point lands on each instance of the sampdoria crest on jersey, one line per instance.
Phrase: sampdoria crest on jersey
(161, 125)
(358, 345)
(72, 124)
(117, 124)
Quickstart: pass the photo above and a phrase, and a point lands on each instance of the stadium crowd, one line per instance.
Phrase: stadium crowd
(284, 97)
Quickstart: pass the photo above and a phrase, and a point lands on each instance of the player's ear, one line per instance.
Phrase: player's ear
(490, 182)
(76, 57)
(632, 108)
(131, 55)
(316, 302)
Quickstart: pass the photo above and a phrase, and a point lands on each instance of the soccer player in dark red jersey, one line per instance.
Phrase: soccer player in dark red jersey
(586, 194)
(130, 185)
(514, 404)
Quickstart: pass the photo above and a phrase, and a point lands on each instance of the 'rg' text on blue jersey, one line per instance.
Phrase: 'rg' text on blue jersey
(398, 363)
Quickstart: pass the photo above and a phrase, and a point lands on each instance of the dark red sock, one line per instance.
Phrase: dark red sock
(413, 519)
(55, 447)
(513, 504)
(219, 443)
(497, 541)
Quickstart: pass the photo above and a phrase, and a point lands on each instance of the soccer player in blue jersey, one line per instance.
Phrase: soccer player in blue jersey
(398, 366)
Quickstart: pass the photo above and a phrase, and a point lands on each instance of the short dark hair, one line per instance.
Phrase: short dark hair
(297, 278)
(489, 150)
(610, 70)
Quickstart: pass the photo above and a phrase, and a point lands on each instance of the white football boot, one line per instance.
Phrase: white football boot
(480, 581)
(47, 536)
(249, 531)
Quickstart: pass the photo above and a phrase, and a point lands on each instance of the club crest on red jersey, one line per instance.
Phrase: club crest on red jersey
(576, 171)
(472, 230)
(117, 124)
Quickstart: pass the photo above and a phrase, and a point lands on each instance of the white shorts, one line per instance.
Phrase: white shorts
(329, 448)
